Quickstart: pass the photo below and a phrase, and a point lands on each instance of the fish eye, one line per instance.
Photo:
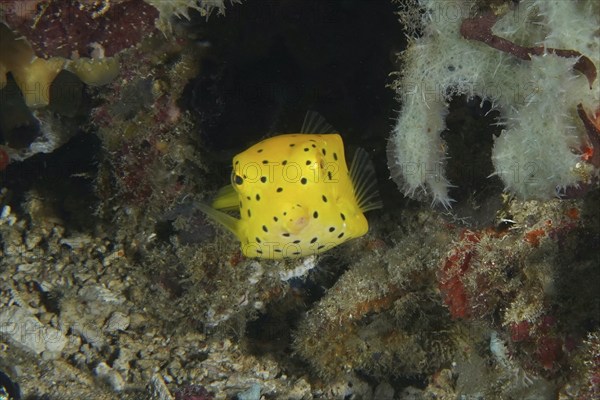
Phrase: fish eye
(238, 180)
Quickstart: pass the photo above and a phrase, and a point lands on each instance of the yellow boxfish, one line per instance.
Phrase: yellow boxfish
(295, 194)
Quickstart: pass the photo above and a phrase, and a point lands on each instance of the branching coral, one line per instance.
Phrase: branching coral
(526, 63)
(381, 317)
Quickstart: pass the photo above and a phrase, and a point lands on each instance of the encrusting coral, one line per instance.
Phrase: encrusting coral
(520, 287)
(80, 36)
(39, 40)
(536, 63)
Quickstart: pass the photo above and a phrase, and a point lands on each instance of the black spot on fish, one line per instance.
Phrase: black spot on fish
(259, 151)
(335, 156)
(285, 234)
(314, 146)
(343, 216)
(265, 228)
(296, 253)
(324, 152)
(279, 189)
(257, 239)
(306, 149)
(329, 175)
(324, 198)
(275, 219)
(277, 250)
(263, 179)
(265, 161)
(292, 144)
(259, 251)
(303, 181)
(308, 162)
(238, 180)
(284, 162)
(331, 228)
(248, 198)
(296, 241)
(249, 213)
(340, 235)
(315, 215)
(313, 240)
(320, 247)
(257, 197)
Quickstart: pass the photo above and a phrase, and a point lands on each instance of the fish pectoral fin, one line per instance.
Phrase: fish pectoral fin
(364, 181)
(232, 224)
(226, 199)
(315, 123)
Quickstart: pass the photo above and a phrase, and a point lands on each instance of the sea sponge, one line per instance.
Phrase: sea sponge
(538, 154)
(95, 72)
(34, 79)
(34, 75)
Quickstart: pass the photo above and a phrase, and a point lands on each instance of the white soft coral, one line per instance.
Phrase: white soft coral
(180, 8)
(536, 154)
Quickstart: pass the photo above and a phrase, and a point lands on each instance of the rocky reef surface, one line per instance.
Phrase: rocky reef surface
(113, 285)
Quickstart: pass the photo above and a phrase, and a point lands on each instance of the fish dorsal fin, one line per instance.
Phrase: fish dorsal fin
(362, 173)
(315, 123)
(226, 199)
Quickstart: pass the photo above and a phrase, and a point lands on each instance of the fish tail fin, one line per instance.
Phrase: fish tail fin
(362, 174)
(232, 224)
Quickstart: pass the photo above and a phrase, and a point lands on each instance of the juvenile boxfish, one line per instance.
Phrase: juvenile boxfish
(295, 195)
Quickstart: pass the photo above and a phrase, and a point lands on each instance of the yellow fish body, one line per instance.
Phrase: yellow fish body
(296, 196)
